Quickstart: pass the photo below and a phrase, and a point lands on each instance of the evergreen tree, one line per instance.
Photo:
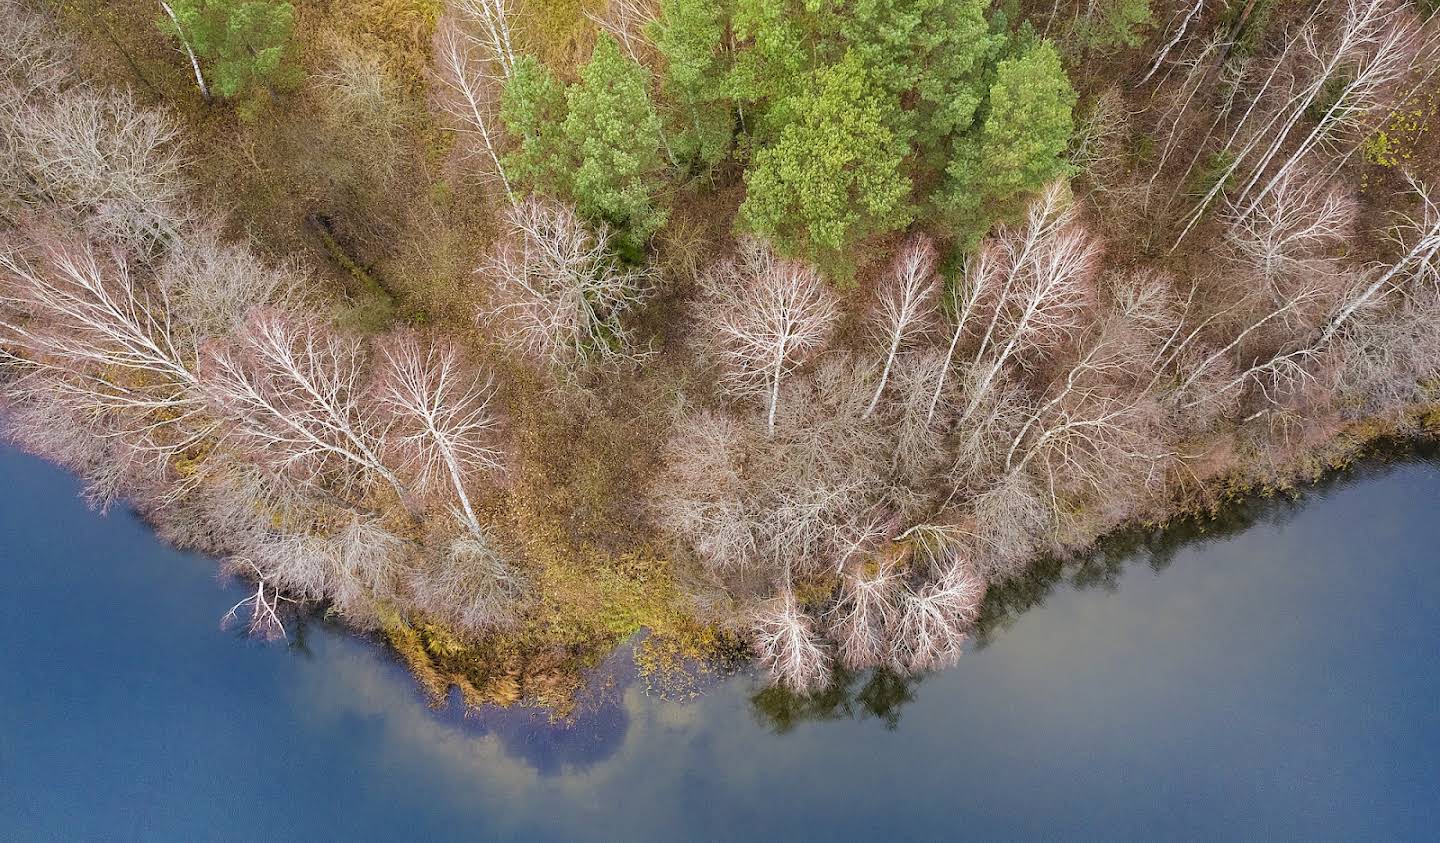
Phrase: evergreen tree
(927, 57)
(1020, 143)
(834, 173)
(533, 109)
(1116, 23)
(613, 136)
(691, 36)
(244, 44)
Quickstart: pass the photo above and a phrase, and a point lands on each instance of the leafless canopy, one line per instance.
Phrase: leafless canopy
(562, 295)
(443, 423)
(767, 315)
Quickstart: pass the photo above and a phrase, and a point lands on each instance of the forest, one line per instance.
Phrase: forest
(778, 329)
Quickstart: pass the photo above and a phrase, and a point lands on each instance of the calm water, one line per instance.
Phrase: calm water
(1281, 682)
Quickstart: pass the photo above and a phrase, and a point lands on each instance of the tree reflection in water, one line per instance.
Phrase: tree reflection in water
(882, 693)
(879, 693)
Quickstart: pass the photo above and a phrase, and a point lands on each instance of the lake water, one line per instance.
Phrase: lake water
(1282, 682)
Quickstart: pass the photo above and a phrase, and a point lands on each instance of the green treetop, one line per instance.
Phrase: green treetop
(613, 133)
(1019, 146)
(244, 44)
(691, 36)
(926, 57)
(834, 173)
(532, 107)
(1116, 23)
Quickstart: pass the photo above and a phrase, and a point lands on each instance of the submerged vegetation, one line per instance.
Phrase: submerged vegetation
(511, 328)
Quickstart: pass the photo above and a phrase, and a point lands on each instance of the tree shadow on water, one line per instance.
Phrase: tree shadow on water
(1158, 547)
(879, 693)
(883, 693)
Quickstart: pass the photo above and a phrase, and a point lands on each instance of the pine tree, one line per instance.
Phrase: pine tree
(612, 134)
(834, 174)
(245, 44)
(1116, 23)
(533, 109)
(691, 36)
(1020, 143)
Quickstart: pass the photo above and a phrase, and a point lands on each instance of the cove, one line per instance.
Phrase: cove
(1279, 682)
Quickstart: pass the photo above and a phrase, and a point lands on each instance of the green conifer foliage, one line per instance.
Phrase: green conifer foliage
(834, 173)
(1019, 146)
(613, 135)
(533, 109)
(244, 45)
(690, 34)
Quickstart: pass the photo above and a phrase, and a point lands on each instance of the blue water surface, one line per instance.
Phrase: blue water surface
(1283, 682)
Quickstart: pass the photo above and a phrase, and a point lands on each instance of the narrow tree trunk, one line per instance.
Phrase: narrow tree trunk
(185, 42)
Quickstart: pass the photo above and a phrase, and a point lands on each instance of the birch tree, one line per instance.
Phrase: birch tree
(1294, 230)
(470, 584)
(80, 323)
(294, 394)
(561, 293)
(444, 425)
(107, 162)
(934, 620)
(472, 70)
(907, 300)
(865, 613)
(1370, 48)
(1048, 265)
(788, 646)
(766, 315)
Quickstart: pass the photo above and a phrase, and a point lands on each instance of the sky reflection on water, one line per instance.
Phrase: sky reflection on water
(1279, 683)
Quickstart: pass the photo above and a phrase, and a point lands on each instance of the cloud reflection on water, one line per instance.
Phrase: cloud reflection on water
(1280, 682)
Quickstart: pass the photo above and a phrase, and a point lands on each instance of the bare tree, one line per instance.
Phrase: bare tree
(1380, 45)
(804, 499)
(980, 288)
(917, 440)
(470, 584)
(865, 612)
(1294, 230)
(106, 161)
(1048, 266)
(189, 51)
(1013, 523)
(907, 302)
(354, 566)
(294, 393)
(1386, 360)
(443, 421)
(36, 62)
(702, 495)
(264, 605)
(565, 298)
(491, 20)
(1178, 33)
(237, 507)
(35, 56)
(1100, 421)
(1099, 146)
(1370, 47)
(86, 325)
(210, 285)
(935, 619)
(767, 315)
(49, 423)
(1421, 261)
(788, 646)
(472, 71)
(626, 21)
(365, 104)
(1416, 271)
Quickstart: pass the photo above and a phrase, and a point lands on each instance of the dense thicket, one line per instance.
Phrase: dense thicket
(854, 308)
